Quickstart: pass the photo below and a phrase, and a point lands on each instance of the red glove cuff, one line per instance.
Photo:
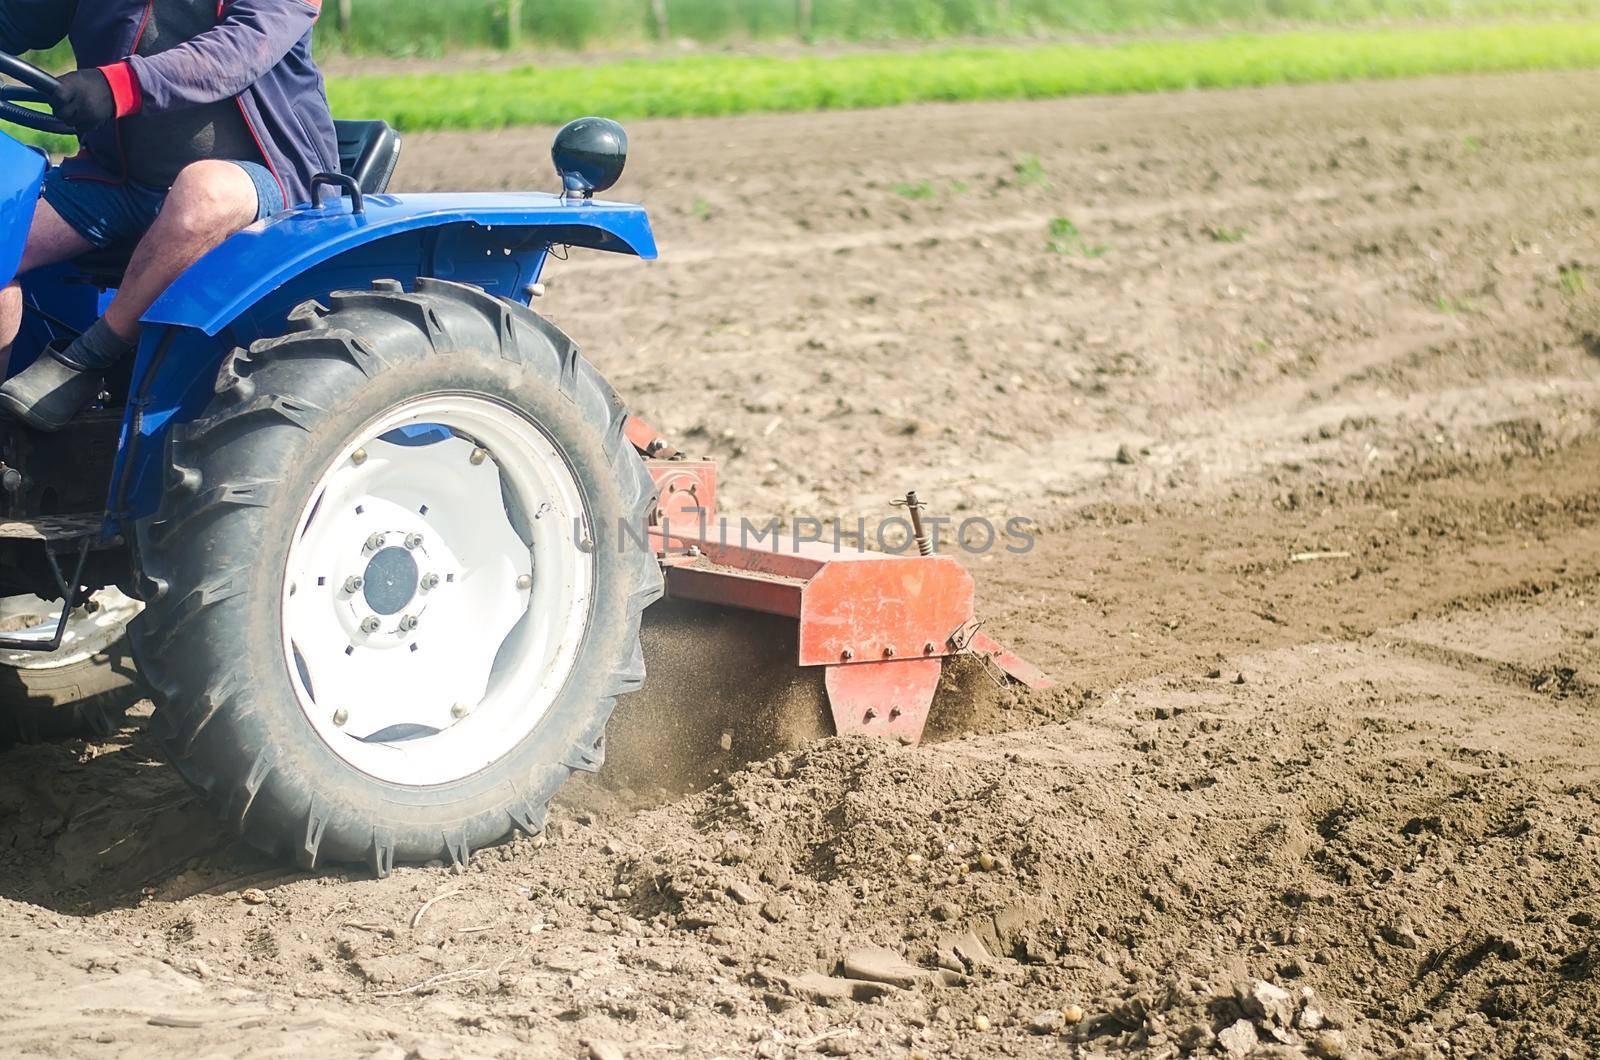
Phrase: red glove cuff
(125, 88)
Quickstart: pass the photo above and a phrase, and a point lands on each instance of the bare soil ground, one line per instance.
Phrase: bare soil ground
(1305, 415)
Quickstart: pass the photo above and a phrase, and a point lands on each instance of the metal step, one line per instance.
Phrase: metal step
(59, 529)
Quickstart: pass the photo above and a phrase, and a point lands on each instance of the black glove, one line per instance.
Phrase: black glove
(84, 100)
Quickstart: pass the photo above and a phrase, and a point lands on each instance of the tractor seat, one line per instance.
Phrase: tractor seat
(368, 153)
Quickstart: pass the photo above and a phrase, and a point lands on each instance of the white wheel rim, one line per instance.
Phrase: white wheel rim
(423, 681)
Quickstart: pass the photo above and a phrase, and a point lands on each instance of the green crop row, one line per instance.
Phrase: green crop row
(720, 85)
(433, 27)
(743, 84)
(438, 27)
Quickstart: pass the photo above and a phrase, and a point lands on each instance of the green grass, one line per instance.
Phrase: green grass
(1065, 238)
(1029, 172)
(744, 84)
(702, 86)
(432, 27)
(1454, 306)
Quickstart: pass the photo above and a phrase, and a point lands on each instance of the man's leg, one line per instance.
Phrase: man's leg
(208, 203)
(50, 240)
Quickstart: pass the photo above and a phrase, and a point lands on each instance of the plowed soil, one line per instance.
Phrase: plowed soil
(1300, 390)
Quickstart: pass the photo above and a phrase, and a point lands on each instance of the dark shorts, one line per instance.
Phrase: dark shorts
(108, 214)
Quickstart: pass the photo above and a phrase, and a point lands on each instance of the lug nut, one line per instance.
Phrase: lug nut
(430, 581)
(358, 457)
(408, 623)
(459, 711)
(413, 540)
(370, 624)
(341, 716)
(374, 542)
(524, 581)
(478, 456)
(354, 583)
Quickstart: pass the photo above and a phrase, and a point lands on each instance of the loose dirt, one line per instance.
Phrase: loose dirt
(1302, 406)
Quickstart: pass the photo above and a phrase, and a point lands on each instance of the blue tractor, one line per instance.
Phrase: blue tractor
(354, 501)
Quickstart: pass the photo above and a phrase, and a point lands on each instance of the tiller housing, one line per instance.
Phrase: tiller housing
(880, 624)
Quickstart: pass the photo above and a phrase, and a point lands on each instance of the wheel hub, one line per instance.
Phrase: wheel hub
(390, 581)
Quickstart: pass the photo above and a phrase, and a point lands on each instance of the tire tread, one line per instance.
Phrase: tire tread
(326, 339)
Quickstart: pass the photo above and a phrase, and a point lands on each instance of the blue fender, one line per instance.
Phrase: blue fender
(21, 171)
(254, 263)
(243, 290)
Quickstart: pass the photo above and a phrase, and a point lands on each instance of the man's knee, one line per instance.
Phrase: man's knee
(211, 200)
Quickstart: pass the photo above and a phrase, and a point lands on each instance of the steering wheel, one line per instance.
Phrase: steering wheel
(35, 86)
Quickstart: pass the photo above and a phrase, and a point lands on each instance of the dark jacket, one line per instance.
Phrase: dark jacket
(259, 52)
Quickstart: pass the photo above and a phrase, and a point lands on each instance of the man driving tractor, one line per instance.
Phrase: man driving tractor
(197, 118)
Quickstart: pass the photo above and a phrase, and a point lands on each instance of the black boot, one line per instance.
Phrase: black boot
(48, 393)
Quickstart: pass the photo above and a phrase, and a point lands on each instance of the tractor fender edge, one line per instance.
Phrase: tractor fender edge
(252, 264)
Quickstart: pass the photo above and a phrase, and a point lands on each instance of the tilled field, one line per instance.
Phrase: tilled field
(1300, 389)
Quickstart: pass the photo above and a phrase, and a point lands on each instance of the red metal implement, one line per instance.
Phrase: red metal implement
(879, 623)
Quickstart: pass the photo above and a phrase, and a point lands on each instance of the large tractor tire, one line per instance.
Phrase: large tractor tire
(390, 598)
(84, 687)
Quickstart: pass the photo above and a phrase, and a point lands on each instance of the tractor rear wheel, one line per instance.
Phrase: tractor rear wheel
(395, 583)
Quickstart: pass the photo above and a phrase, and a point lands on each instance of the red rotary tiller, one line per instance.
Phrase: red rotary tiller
(880, 624)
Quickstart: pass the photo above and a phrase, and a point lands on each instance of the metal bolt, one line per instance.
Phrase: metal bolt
(894, 712)
(478, 456)
(888, 653)
(408, 623)
(430, 581)
(459, 711)
(341, 716)
(358, 457)
(524, 581)
(847, 655)
(374, 542)
(370, 624)
(872, 712)
(914, 507)
(413, 540)
(354, 583)
(928, 648)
